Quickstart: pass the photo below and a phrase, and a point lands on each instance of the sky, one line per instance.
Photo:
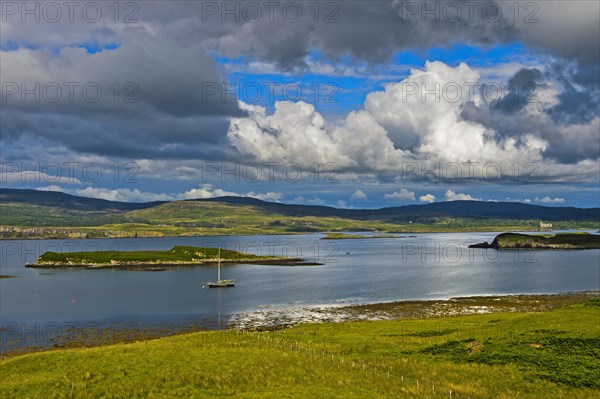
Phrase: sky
(352, 104)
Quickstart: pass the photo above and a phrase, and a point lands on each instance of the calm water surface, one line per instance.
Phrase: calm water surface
(423, 266)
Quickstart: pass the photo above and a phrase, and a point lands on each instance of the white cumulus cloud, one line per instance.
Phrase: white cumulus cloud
(341, 204)
(270, 196)
(403, 194)
(359, 195)
(452, 196)
(51, 187)
(549, 200)
(394, 127)
(122, 194)
(427, 198)
(207, 191)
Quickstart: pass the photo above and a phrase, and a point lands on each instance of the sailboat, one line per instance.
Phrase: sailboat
(220, 283)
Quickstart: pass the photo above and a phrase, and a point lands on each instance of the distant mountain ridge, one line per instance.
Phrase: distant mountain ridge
(58, 199)
(455, 209)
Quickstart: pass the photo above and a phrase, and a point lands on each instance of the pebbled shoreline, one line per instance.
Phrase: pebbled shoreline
(287, 316)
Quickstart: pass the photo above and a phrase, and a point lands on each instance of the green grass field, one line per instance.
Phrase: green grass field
(551, 354)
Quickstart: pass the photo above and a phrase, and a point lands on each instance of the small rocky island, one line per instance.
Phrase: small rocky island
(157, 260)
(542, 241)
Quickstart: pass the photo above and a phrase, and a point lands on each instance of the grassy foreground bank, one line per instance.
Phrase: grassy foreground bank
(550, 354)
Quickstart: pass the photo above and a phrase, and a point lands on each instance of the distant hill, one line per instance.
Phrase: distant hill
(51, 208)
(400, 214)
(57, 199)
(456, 209)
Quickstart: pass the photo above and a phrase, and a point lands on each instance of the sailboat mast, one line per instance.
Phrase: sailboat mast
(219, 266)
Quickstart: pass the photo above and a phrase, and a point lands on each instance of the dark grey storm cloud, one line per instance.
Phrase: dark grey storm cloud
(579, 100)
(155, 136)
(566, 144)
(374, 30)
(369, 31)
(145, 72)
(521, 87)
(169, 56)
(568, 126)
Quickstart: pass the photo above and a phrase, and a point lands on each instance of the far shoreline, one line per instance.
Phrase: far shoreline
(491, 229)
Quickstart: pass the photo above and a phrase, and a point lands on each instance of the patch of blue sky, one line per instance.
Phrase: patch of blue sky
(334, 89)
(93, 48)
(474, 56)
(340, 86)
(335, 95)
(90, 48)
(11, 45)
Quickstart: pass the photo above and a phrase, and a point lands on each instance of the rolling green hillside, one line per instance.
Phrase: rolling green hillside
(50, 208)
(19, 214)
